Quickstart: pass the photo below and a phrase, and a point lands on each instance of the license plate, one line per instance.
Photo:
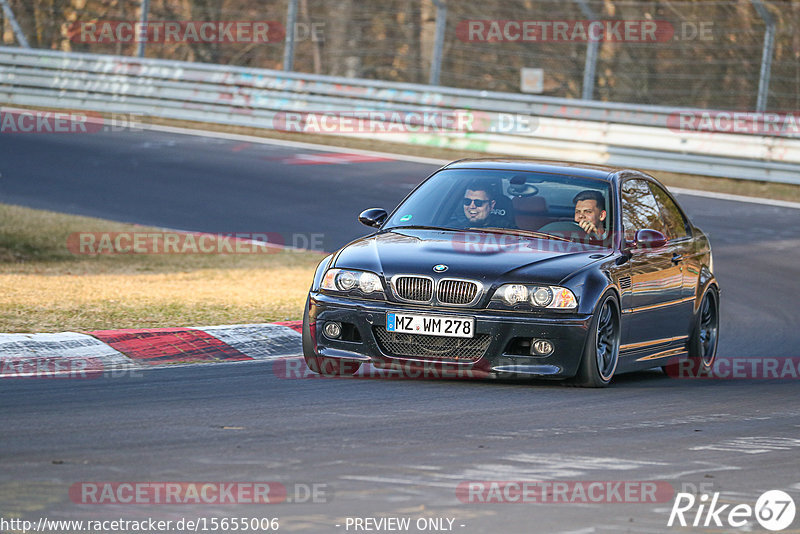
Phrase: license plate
(430, 325)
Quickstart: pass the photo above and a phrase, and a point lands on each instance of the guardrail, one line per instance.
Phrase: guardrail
(578, 130)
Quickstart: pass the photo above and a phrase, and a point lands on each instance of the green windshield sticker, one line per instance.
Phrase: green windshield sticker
(405, 218)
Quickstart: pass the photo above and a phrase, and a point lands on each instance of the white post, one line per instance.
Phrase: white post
(590, 65)
(143, 32)
(766, 56)
(438, 42)
(23, 42)
(288, 49)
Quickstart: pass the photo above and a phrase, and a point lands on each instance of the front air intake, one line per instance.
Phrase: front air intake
(457, 291)
(414, 288)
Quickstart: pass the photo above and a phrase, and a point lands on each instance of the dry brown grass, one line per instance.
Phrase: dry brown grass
(45, 288)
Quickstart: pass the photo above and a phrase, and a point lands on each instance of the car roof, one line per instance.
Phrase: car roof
(584, 170)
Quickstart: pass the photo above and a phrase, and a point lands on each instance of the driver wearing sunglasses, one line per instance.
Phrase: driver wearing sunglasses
(478, 204)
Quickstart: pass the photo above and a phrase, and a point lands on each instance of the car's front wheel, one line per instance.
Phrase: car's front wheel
(601, 352)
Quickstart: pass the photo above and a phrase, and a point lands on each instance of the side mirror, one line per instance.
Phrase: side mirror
(649, 239)
(373, 217)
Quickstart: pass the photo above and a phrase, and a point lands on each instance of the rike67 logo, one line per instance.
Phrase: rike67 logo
(774, 510)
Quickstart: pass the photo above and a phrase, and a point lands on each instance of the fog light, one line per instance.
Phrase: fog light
(541, 347)
(332, 330)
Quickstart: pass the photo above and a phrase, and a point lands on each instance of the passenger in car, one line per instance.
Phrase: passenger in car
(478, 205)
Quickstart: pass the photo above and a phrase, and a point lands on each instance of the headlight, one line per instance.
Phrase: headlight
(346, 280)
(369, 283)
(541, 296)
(514, 293)
(537, 296)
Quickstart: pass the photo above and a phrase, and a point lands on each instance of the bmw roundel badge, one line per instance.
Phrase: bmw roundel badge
(440, 268)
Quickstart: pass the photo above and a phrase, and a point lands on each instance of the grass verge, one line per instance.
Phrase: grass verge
(46, 288)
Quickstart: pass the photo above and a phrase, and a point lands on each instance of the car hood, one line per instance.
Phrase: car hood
(488, 257)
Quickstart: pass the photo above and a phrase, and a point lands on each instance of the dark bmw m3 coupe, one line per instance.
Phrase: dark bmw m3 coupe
(520, 267)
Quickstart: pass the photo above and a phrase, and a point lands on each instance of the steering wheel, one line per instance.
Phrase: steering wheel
(563, 227)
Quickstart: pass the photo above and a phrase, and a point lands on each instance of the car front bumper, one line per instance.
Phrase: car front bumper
(566, 332)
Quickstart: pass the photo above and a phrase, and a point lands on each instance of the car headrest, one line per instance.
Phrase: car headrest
(533, 204)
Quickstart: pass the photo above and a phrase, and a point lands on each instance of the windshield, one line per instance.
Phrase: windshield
(527, 203)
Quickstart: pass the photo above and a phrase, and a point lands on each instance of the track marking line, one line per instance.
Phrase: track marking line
(292, 144)
(333, 158)
(736, 198)
(428, 161)
(241, 146)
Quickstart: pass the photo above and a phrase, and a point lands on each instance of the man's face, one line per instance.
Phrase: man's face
(472, 210)
(588, 210)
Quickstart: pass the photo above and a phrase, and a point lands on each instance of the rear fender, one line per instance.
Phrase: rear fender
(704, 281)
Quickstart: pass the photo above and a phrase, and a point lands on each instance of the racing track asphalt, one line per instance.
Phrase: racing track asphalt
(390, 447)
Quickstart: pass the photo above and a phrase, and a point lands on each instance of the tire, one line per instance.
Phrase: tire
(703, 341)
(320, 364)
(308, 344)
(601, 351)
(704, 338)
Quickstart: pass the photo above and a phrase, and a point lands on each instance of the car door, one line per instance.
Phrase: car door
(685, 254)
(651, 306)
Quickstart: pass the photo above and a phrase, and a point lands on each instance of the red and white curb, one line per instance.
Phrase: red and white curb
(78, 354)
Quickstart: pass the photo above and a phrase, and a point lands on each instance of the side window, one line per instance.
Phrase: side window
(674, 222)
(639, 209)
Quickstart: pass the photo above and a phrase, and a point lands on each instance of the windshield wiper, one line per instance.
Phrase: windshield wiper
(516, 231)
(421, 227)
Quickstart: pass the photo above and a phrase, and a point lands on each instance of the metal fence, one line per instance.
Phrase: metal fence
(716, 54)
(617, 134)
